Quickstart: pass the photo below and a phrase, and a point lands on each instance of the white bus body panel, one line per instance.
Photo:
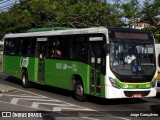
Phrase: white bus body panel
(157, 47)
(114, 93)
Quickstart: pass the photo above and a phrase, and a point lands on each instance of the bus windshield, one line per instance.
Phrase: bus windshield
(132, 58)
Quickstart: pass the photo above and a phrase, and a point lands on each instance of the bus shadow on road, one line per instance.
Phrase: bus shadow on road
(45, 88)
(103, 101)
(51, 89)
(155, 108)
(92, 99)
(158, 95)
(14, 80)
(47, 115)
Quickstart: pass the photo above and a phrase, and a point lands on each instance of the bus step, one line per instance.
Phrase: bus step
(40, 82)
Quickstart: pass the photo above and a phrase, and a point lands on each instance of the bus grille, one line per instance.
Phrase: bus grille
(131, 93)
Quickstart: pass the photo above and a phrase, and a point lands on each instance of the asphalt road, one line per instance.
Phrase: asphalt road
(56, 104)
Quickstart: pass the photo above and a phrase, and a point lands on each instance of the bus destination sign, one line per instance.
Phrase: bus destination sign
(127, 35)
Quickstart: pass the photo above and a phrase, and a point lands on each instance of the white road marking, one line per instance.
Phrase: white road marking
(69, 108)
(24, 96)
(14, 101)
(36, 104)
(1, 95)
(59, 107)
(123, 118)
(45, 100)
(89, 118)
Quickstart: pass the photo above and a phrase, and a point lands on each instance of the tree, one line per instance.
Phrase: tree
(150, 12)
(151, 15)
(50, 13)
(87, 14)
(131, 11)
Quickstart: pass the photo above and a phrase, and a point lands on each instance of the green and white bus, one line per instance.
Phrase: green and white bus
(109, 63)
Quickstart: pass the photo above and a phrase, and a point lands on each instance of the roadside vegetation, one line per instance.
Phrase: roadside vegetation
(79, 14)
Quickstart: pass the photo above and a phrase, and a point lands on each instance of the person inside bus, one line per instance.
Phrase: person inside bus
(58, 53)
(131, 55)
(52, 53)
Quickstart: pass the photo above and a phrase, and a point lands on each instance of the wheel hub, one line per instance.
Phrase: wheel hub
(79, 90)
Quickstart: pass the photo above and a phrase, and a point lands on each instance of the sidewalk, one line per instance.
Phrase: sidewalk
(4, 88)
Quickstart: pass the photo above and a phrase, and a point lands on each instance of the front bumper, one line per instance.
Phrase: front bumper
(113, 93)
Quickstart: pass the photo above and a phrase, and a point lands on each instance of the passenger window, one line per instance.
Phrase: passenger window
(79, 50)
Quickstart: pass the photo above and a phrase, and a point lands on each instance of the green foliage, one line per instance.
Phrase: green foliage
(56, 13)
(77, 14)
(128, 10)
(150, 15)
(87, 14)
(156, 33)
(131, 11)
(150, 10)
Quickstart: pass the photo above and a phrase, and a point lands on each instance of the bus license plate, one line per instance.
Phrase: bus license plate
(137, 95)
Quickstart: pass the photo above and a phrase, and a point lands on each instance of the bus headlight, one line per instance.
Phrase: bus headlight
(114, 83)
(154, 83)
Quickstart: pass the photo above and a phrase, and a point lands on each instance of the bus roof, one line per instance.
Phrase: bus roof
(59, 32)
(48, 29)
(128, 30)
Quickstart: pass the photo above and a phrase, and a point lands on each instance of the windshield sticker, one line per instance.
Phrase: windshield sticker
(134, 69)
(115, 64)
(24, 62)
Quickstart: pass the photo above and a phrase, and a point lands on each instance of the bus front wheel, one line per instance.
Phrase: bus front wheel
(25, 82)
(79, 92)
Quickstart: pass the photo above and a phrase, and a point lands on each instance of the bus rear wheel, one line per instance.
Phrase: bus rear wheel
(25, 82)
(79, 92)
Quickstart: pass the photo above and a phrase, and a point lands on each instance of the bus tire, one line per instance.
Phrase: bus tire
(79, 92)
(25, 82)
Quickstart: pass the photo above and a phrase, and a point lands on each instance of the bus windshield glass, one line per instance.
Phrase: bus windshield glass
(132, 58)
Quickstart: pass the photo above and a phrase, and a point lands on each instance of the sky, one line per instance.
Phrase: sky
(5, 4)
(111, 1)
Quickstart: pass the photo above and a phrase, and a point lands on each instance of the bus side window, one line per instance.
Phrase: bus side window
(79, 50)
(11, 47)
(58, 49)
(52, 53)
(7, 47)
(63, 49)
(33, 47)
(51, 47)
(25, 47)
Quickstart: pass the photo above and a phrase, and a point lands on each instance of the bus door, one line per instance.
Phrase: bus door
(41, 54)
(96, 60)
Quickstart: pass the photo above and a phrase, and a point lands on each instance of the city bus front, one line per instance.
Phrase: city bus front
(132, 63)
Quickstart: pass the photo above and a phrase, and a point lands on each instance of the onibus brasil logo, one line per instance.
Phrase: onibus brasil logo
(24, 62)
